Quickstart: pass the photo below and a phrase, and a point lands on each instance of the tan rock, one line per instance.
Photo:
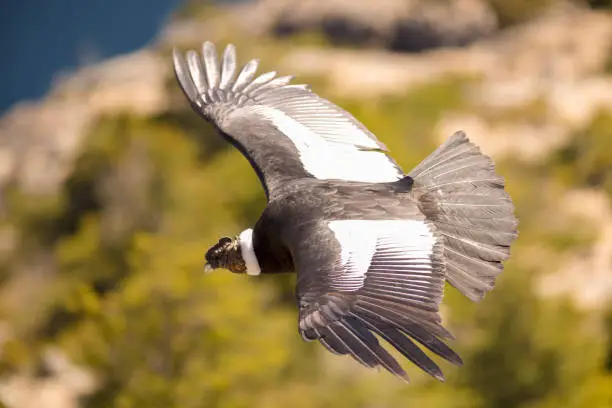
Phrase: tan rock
(39, 141)
(62, 388)
(530, 142)
(412, 25)
(585, 277)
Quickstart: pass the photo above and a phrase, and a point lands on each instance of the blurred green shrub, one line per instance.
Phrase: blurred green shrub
(586, 160)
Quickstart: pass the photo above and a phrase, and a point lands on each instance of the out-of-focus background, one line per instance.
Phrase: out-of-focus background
(112, 189)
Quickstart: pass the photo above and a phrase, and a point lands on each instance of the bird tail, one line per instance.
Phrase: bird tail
(465, 199)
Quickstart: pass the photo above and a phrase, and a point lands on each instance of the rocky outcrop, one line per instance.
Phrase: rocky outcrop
(519, 64)
(39, 140)
(62, 387)
(585, 277)
(401, 25)
(531, 142)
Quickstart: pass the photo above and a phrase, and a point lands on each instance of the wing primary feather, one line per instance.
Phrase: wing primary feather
(196, 69)
(342, 341)
(371, 344)
(309, 334)
(422, 335)
(245, 75)
(259, 82)
(228, 68)
(404, 345)
(403, 316)
(182, 74)
(331, 344)
(211, 62)
(273, 84)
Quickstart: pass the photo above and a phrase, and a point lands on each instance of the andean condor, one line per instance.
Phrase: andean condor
(371, 246)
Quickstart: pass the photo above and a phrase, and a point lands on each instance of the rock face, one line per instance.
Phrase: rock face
(49, 133)
(39, 140)
(401, 25)
(586, 277)
(519, 62)
(62, 387)
(531, 142)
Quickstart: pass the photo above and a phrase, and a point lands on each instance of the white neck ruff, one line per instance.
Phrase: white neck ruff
(245, 240)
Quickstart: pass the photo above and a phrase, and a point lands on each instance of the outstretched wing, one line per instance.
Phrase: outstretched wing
(358, 278)
(285, 131)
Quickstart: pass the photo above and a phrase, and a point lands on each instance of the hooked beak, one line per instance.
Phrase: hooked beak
(208, 268)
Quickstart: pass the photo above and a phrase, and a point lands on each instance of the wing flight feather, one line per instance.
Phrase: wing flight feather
(273, 122)
(386, 279)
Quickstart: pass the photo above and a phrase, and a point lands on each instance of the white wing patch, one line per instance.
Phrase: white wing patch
(403, 246)
(341, 157)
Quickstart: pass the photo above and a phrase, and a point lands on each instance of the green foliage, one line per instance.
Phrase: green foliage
(524, 350)
(36, 219)
(534, 112)
(586, 159)
(518, 11)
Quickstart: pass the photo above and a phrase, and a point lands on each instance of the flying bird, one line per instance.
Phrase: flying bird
(372, 247)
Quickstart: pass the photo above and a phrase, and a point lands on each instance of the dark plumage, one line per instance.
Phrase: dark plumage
(372, 247)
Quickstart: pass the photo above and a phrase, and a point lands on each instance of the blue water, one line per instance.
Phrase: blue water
(41, 38)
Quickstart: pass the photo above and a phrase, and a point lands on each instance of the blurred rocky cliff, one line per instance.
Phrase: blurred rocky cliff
(533, 87)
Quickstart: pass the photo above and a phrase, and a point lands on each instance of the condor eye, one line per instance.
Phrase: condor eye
(225, 240)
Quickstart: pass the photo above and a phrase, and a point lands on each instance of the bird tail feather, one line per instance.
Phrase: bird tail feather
(465, 199)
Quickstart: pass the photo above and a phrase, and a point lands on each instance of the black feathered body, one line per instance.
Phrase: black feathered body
(301, 203)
